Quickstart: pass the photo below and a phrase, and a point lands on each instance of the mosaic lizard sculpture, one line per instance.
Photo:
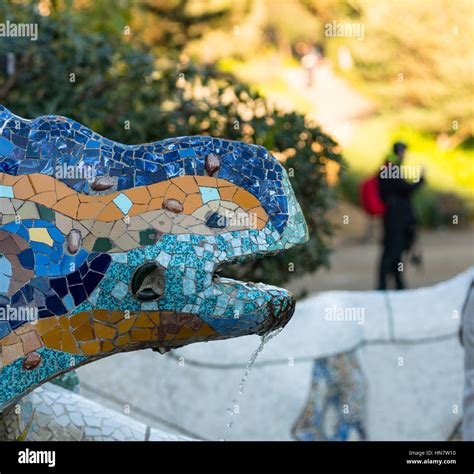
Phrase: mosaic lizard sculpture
(106, 247)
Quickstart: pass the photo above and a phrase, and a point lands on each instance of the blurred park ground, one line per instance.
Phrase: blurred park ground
(326, 85)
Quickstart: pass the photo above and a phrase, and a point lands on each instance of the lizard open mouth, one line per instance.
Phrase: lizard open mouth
(107, 247)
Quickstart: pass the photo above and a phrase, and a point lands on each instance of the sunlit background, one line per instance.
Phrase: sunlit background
(327, 85)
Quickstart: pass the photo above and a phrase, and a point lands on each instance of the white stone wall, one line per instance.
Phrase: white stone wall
(408, 348)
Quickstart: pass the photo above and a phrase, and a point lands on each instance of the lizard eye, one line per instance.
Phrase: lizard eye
(216, 221)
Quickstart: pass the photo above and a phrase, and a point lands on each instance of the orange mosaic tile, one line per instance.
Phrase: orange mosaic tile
(47, 199)
(174, 192)
(125, 325)
(139, 195)
(227, 193)
(143, 321)
(187, 184)
(245, 200)
(103, 331)
(192, 202)
(207, 181)
(47, 324)
(30, 341)
(23, 188)
(68, 343)
(42, 183)
(159, 189)
(140, 335)
(110, 213)
(106, 346)
(90, 348)
(84, 332)
(12, 352)
(52, 339)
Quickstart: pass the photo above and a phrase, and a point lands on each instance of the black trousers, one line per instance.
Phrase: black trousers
(396, 240)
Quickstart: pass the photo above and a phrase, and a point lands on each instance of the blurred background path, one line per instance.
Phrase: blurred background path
(332, 102)
(354, 265)
(446, 252)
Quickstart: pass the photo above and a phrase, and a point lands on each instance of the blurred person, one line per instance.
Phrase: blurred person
(310, 62)
(344, 58)
(399, 222)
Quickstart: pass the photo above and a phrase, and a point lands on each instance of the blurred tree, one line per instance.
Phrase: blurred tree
(178, 25)
(106, 81)
(415, 58)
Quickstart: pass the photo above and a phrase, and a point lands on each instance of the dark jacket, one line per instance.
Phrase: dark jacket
(396, 195)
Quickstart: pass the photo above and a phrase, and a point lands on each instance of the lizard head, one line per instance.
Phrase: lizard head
(106, 247)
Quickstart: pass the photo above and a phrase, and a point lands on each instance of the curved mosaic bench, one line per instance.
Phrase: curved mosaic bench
(106, 248)
(398, 375)
(52, 413)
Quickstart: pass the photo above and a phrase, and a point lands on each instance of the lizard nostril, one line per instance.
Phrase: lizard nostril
(147, 294)
(147, 282)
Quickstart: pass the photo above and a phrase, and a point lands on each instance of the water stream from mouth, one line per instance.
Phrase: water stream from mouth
(234, 408)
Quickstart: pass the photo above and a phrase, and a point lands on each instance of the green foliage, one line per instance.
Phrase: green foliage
(449, 172)
(434, 208)
(177, 26)
(118, 82)
(415, 59)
